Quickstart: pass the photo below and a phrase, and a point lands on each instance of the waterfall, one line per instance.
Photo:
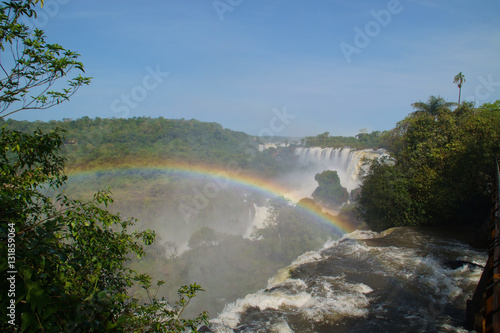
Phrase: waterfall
(257, 221)
(348, 162)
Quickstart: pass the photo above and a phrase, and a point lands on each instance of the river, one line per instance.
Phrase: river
(402, 280)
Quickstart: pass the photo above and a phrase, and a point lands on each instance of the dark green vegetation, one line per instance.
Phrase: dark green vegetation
(374, 139)
(330, 192)
(441, 168)
(63, 260)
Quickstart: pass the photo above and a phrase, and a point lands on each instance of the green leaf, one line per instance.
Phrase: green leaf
(49, 311)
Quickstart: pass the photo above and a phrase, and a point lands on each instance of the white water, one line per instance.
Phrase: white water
(347, 162)
(258, 221)
(404, 284)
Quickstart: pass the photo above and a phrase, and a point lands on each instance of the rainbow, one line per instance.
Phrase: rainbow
(223, 176)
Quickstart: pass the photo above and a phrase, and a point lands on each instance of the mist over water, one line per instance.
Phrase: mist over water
(310, 161)
(258, 220)
(297, 275)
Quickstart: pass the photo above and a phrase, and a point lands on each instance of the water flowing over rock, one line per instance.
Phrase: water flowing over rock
(348, 163)
(403, 281)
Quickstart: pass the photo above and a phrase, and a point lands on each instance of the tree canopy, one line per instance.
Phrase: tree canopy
(330, 192)
(441, 167)
(98, 142)
(362, 140)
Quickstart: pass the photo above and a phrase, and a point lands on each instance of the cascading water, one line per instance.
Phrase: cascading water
(257, 220)
(346, 161)
(404, 281)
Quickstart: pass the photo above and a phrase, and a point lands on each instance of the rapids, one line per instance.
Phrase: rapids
(402, 280)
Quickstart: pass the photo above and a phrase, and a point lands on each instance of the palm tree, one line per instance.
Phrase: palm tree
(434, 106)
(459, 80)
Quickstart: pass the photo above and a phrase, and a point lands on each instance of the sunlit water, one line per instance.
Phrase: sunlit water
(405, 281)
(346, 161)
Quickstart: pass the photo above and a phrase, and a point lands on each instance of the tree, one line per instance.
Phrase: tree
(35, 64)
(65, 259)
(433, 107)
(441, 169)
(70, 262)
(459, 79)
(161, 316)
(386, 199)
(330, 191)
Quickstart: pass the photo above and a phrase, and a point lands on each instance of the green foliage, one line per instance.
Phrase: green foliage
(35, 64)
(330, 192)
(374, 139)
(433, 108)
(441, 168)
(160, 316)
(100, 142)
(67, 257)
(71, 255)
(386, 199)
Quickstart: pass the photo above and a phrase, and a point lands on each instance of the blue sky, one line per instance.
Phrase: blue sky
(291, 68)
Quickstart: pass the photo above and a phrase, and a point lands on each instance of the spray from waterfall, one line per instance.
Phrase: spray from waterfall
(348, 163)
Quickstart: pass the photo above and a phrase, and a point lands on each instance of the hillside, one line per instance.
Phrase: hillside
(91, 143)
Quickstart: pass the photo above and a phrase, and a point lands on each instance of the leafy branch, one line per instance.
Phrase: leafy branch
(36, 65)
(161, 316)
